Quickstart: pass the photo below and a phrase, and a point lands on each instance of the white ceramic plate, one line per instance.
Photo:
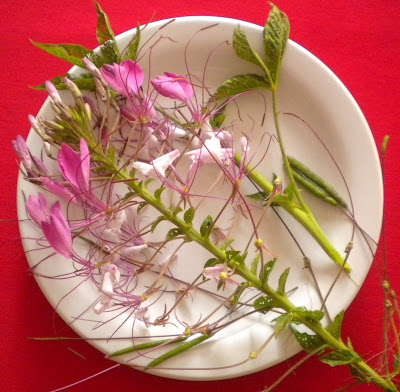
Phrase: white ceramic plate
(309, 90)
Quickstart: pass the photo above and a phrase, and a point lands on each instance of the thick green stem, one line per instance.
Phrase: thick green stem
(303, 217)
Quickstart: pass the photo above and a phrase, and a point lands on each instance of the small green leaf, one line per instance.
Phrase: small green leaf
(68, 52)
(239, 84)
(244, 50)
(276, 34)
(206, 225)
(83, 83)
(340, 357)
(258, 196)
(264, 304)
(254, 264)
(311, 315)
(237, 294)
(335, 328)
(282, 281)
(227, 244)
(109, 53)
(265, 273)
(189, 215)
(230, 254)
(133, 46)
(384, 145)
(141, 205)
(172, 234)
(158, 192)
(309, 343)
(211, 263)
(289, 191)
(282, 322)
(176, 211)
(156, 222)
(104, 31)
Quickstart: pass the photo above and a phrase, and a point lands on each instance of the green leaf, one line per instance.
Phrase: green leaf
(68, 52)
(173, 233)
(189, 215)
(282, 322)
(244, 50)
(230, 254)
(158, 192)
(254, 264)
(290, 191)
(211, 263)
(141, 206)
(340, 357)
(264, 304)
(237, 294)
(104, 31)
(282, 281)
(240, 84)
(156, 222)
(268, 268)
(311, 315)
(109, 53)
(83, 83)
(276, 34)
(259, 196)
(309, 343)
(206, 225)
(335, 328)
(227, 244)
(133, 46)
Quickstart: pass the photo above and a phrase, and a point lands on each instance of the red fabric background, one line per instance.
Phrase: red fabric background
(358, 40)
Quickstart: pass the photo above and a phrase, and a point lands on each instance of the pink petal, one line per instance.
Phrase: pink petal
(58, 234)
(184, 83)
(37, 209)
(169, 87)
(57, 189)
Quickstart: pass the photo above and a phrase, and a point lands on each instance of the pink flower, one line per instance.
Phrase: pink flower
(22, 152)
(211, 152)
(125, 78)
(54, 225)
(158, 166)
(220, 274)
(75, 168)
(173, 86)
(37, 209)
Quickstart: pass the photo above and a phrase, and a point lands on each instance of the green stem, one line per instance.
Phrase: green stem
(305, 218)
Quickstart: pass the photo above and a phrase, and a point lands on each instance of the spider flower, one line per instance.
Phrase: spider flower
(221, 275)
(55, 227)
(211, 152)
(158, 166)
(125, 78)
(75, 168)
(173, 86)
(22, 152)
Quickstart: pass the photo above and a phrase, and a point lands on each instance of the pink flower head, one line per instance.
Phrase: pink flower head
(37, 209)
(173, 86)
(125, 78)
(139, 110)
(75, 168)
(158, 166)
(54, 225)
(220, 274)
(211, 152)
(22, 152)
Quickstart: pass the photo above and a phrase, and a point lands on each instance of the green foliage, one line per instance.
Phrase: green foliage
(240, 84)
(340, 357)
(258, 196)
(211, 263)
(264, 304)
(309, 343)
(282, 282)
(68, 52)
(133, 47)
(189, 215)
(85, 82)
(244, 50)
(266, 271)
(206, 225)
(104, 31)
(254, 264)
(276, 35)
(336, 327)
(173, 233)
(158, 192)
(109, 52)
(156, 222)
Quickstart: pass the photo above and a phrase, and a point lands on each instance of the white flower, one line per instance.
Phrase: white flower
(158, 166)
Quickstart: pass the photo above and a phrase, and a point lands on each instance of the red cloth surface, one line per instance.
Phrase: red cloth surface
(358, 40)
